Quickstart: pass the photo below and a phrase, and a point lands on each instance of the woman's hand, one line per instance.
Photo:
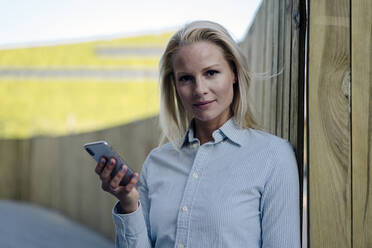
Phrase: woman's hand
(127, 195)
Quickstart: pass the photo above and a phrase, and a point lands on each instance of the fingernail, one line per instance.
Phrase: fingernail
(122, 168)
(111, 161)
(102, 160)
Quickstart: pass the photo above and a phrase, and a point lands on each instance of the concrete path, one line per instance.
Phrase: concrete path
(28, 226)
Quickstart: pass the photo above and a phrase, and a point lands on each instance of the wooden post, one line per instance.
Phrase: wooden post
(361, 88)
(329, 124)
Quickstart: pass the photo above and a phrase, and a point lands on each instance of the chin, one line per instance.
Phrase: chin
(205, 118)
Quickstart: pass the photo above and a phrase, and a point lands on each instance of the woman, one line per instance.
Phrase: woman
(219, 182)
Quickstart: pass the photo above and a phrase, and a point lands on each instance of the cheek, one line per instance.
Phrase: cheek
(183, 95)
(227, 91)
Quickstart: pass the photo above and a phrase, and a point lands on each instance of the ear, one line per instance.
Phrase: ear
(235, 79)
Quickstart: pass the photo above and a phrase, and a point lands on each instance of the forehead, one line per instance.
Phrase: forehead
(198, 55)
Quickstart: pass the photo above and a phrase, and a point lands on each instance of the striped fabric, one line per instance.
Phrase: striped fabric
(241, 190)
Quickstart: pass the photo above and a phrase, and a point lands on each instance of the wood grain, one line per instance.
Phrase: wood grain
(361, 45)
(329, 125)
(272, 50)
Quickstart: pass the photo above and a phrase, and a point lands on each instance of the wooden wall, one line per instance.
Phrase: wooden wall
(340, 123)
(272, 47)
(57, 173)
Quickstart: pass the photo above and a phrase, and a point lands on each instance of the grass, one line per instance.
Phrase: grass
(51, 106)
(37, 107)
(83, 54)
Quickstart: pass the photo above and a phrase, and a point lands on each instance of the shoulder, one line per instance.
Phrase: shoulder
(263, 141)
(159, 153)
(278, 152)
(162, 150)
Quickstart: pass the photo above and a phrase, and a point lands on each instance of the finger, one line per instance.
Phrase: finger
(132, 183)
(105, 175)
(100, 165)
(105, 186)
(118, 177)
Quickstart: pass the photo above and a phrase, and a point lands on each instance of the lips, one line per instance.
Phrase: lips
(203, 104)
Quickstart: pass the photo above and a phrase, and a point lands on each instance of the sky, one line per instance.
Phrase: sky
(36, 22)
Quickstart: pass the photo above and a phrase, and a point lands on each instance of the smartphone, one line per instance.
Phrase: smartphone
(100, 149)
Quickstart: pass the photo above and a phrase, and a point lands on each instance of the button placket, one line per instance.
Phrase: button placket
(183, 221)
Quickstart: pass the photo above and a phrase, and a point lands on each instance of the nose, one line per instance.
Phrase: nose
(200, 87)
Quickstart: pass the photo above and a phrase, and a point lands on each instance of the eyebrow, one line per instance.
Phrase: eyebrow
(204, 69)
(208, 67)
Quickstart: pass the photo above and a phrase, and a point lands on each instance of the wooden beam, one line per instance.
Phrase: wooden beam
(329, 124)
(361, 50)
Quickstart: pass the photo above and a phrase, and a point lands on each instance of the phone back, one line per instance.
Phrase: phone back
(100, 149)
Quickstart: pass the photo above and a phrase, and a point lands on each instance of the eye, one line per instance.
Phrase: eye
(211, 73)
(185, 78)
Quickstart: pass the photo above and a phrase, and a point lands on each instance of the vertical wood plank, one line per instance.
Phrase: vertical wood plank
(361, 45)
(283, 82)
(273, 59)
(329, 124)
(9, 188)
(268, 58)
(253, 47)
(295, 102)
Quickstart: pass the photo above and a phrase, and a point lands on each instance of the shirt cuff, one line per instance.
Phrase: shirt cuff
(131, 224)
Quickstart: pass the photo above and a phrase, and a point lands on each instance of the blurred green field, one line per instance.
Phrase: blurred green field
(30, 108)
(82, 54)
(58, 106)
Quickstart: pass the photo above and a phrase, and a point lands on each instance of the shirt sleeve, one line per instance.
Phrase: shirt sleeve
(133, 230)
(280, 200)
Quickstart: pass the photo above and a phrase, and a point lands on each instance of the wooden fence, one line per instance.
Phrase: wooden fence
(57, 173)
(340, 123)
(273, 48)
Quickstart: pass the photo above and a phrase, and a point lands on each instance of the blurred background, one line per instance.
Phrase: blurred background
(77, 66)
(73, 72)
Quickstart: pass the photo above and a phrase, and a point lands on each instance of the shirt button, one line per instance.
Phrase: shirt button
(184, 208)
(181, 246)
(195, 175)
(194, 145)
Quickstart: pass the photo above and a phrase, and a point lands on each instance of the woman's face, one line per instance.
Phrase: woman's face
(204, 82)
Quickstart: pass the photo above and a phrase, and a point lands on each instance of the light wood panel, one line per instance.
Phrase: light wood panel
(272, 50)
(329, 124)
(361, 38)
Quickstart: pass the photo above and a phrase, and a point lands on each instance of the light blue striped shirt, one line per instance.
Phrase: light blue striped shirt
(241, 190)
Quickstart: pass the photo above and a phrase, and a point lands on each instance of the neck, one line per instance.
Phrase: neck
(204, 130)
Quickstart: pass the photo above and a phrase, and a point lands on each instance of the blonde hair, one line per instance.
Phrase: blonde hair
(174, 119)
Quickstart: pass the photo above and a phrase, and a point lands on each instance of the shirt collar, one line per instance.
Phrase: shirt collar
(229, 130)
